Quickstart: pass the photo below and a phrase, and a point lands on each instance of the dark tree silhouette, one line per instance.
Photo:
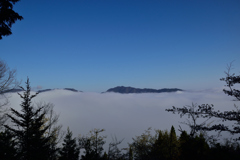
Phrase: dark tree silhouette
(207, 111)
(7, 82)
(29, 128)
(70, 150)
(114, 153)
(192, 147)
(92, 144)
(231, 80)
(173, 144)
(7, 17)
(8, 150)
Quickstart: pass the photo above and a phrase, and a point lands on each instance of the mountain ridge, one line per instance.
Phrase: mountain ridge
(124, 90)
(43, 90)
(118, 89)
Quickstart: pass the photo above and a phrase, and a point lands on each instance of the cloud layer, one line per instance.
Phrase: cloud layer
(123, 115)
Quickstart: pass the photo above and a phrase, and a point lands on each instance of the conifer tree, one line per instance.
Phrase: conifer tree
(192, 147)
(185, 146)
(70, 150)
(28, 128)
(173, 144)
(7, 17)
(161, 145)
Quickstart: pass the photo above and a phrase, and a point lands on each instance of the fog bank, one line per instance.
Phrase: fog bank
(123, 115)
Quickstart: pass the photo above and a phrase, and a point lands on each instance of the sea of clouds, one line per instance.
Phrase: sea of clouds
(124, 115)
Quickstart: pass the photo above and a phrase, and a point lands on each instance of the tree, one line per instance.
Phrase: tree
(207, 111)
(193, 147)
(7, 17)
(192, 113)
(114, 153)
(54, 131)
(231, 81)
(166, 145)
(70, 150)
(92, 144)
(143, 145)
(8, 150)
(173, 144)
(29, 128)
(161, 146)
(130, 156)
(7, 82)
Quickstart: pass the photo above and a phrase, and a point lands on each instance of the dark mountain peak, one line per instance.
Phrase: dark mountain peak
(72, 89)
(44, 90)
(122, 89)
(68, 89)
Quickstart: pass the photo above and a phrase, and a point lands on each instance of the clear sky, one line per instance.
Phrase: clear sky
(94, 45)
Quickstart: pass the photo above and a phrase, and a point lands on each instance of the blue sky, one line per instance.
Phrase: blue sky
(93, 45)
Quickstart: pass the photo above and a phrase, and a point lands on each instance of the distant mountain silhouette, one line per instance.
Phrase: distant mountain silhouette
(68, 89)
(41, 91)
(44, 90)
(119, 89)
(72, 89)
(122, 89)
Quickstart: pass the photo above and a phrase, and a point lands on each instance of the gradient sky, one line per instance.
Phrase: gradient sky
(94, 45)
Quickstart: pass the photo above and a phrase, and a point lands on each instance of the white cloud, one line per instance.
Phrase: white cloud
(123, 115)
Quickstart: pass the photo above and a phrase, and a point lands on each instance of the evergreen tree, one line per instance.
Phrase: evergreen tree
(161, 146)
(193, 147)
(70, 150)
(28, 128)
(173, 144)
(7, 17)
(184, 146)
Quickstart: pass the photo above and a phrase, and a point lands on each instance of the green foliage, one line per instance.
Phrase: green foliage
(92, 145)
(166, 146)
(173, 144)
(142, 145)
(7, 17)
(70, 150)
(161, 145)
